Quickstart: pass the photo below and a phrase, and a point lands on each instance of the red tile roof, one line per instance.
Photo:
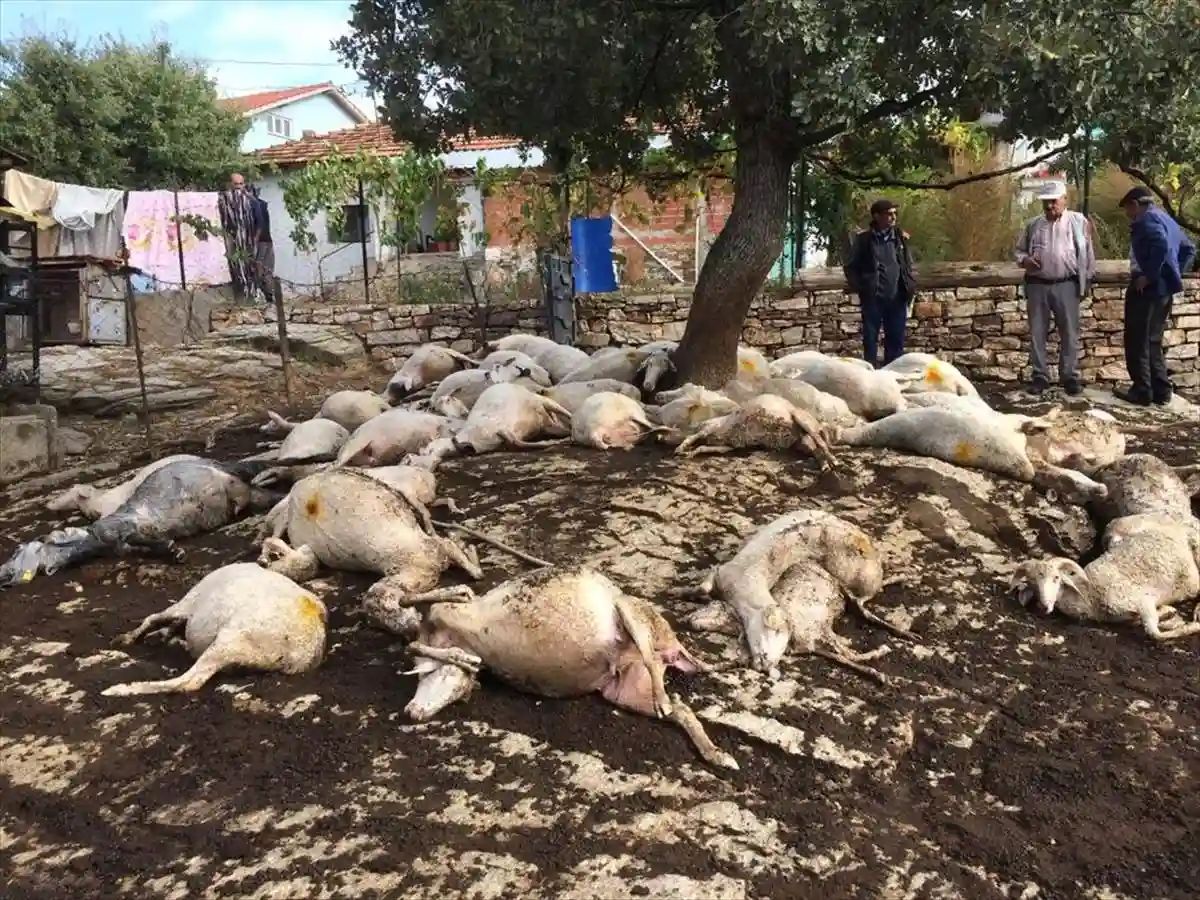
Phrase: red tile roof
(251, 102)
(372, 137)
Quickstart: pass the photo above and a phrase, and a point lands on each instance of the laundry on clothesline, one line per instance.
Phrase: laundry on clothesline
(91, 220)
(154, 237)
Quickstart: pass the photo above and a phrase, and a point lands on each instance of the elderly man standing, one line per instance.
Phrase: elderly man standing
(1056, 252)
(1160, 254)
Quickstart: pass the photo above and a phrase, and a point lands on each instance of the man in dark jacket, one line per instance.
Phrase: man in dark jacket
(880, 271)
(1161, 254)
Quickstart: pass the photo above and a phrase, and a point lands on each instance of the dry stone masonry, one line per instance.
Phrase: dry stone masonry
(972, 314)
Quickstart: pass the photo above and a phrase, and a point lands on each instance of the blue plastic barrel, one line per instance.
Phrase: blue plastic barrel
(592, 255)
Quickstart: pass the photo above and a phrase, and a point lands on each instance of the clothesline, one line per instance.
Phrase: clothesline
(152, 228)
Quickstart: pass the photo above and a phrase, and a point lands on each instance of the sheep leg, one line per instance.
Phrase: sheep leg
(639, 632)
(447, 503)
(716, 618)
(454, 656)
(509, 437)
(459, 557)
(711, 449)
(459, 593)
(164, 549)
(172, 615)
(480, 536)
(805, 425)
(1187, 629)
(299, 564)
(848, 663)
(681, 714)
(697, 593)
(418, 508)
(699, 436)
(880, 621)
(221, 654)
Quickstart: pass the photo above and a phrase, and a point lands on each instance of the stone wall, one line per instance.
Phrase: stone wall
(970, 314)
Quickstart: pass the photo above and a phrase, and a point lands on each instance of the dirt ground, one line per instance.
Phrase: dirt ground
(1011, 756)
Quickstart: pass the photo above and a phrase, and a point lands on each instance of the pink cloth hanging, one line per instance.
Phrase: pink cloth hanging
(152, 237)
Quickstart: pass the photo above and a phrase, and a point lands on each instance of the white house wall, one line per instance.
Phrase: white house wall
(320, 113)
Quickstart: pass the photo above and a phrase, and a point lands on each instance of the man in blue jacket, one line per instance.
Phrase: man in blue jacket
(1161, 253)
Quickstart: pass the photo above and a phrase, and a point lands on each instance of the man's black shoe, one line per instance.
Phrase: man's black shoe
(1037, 387)
(1074, 388)
(1163, 399)
(1132, 396)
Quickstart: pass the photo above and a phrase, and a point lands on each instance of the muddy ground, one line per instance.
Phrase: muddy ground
(1010, 756)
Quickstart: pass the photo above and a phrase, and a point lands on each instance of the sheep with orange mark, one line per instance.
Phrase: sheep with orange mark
(240, 615)
(925, 373)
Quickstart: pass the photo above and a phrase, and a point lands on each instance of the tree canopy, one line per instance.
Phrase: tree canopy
(779, 80)
(115, 115)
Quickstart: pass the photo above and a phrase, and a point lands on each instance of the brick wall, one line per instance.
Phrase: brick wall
(970, 314)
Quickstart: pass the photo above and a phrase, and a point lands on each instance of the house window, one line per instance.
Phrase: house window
(351, 232)
(279, 126)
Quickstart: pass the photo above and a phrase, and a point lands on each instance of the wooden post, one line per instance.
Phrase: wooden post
(179, 242)
(362, 225)
(285, 352)
(131, 320)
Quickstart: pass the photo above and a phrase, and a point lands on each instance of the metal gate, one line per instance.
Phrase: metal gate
(559, 293)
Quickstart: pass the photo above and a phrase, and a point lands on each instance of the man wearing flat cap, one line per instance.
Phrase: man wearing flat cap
(1160, 253)
(1056, 252)
(880, 271)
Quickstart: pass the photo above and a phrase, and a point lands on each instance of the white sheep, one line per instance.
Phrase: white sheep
(786, 366)
(966, 402)
(559, 359)
(96, 504)
(1085, 441)
(457, 393)
(827, 409)
(1142, 483)
(238, 615)
(571, 396)
(625, 364)
(767, 421)
(1139, 578)
(350, 409)
(428, 365)
(504, 359)
(610, 421)
(925, 373)
(868, 393)
(506, 415)
(529, 344)
(688, 408)
(388, 438)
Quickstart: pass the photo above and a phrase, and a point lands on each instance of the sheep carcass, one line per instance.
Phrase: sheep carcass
(787, 366)
(870, 394)
(353, 522)
(925, 373)
(766, 421)
(239, 615)
(1084, 441)
(628, 364)
(500, 359)
(559, 359)
(1142, 483)
(506, 415)
(316, 439)
(1139, 578)
(388, 438)
(571, 396)
(688, 408)
(812, 602)
(610, 422)
(350, 409)
(178, 500)
(95, 504)
(555, 633)
(529, 344)
(456, 394)
(806, 537)
(428, 364)
(827, 409)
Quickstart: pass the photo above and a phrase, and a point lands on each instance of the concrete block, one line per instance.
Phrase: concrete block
(24, 447)
(48, 413)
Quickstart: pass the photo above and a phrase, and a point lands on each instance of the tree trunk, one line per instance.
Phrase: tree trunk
(739, 261)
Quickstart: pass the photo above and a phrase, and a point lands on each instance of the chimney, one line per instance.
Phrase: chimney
(307, 133)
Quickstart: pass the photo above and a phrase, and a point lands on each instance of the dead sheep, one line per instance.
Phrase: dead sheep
(500, 359)
(610, 421)
(688, 408)
(746, 583)
(944, 400)
(95, 503)
(350, 409)
(827, 409)
(349, 521)
(242, 616)
(388, 438)
(559, 359)
(316, 439)
(764, 422)
(529, 344)
(1138, 579)
(555, 633)
(869, 394)
(456, 394)
(974, 441)
(571, 396)
(812, 602)
(628, 364)
(428, 365)
(1141, 483)
(786, 366)
(507, 415)
(925, 373)
(1084, 441)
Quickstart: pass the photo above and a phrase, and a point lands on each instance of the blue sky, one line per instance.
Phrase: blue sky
(247, 45)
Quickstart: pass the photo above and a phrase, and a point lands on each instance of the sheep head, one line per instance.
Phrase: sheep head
(1042, 582)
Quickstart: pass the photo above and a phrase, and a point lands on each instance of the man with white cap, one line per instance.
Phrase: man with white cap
(1056, 252)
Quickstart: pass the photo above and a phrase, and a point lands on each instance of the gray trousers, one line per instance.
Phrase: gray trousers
(1060, 300)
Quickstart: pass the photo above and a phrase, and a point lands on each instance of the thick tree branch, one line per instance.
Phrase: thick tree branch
(1176, 214)
(874, 114)
(878, 179)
